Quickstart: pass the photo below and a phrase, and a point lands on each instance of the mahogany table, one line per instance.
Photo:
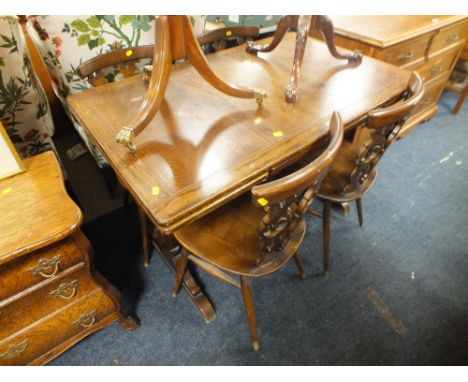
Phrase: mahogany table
(204, 148)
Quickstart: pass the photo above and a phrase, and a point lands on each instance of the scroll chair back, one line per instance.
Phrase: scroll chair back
(256, 235)
(381, 129)
(93, 69)
(217, 38)
(286, 200)
(123, 58)
(354, 170)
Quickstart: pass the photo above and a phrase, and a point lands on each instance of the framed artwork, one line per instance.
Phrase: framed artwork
(10, 162)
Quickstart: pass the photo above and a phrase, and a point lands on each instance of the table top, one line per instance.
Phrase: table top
(204, 148)
(384, 31)
(35, 209)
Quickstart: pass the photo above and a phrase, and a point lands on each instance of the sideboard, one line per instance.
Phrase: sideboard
(429, 44)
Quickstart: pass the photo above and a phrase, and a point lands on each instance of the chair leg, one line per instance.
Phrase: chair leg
(460, 101)
(126, 198)
(249, 308)
(181, 269)
(144, 236)
(326, 236)
(300, 266)
(110, 180)
(359, 211)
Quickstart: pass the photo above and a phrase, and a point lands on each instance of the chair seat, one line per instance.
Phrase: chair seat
(339, 176)
(227, 238)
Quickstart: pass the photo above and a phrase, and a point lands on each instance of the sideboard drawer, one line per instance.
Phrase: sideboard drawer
(41, 265)
(407, 52)
(60, 292)
(432, 93)
(438, 65)
(448, 36)
(46, 335)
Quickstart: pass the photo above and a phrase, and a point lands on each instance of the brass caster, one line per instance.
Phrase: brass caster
(290, 94)
(125, 137)
(260, 95)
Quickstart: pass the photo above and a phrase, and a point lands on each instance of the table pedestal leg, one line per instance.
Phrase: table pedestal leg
(169, 251)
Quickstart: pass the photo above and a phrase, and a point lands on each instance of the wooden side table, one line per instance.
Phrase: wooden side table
(50, 295)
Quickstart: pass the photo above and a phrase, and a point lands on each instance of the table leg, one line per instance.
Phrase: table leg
(169, 253)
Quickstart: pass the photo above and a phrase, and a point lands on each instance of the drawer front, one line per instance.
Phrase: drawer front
(38, 266)
(431, 95)
(437, 65)
(55, 295)
(48, 334)
(406, 52)
(448, 36)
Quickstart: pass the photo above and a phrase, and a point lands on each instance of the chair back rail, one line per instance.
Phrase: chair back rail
(226, 33)
(92, 68)
(399, 111)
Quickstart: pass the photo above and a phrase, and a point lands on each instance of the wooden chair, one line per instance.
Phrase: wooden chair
(252, 237)
(93, 70)
(354, 170)
(461, 99)
(459, 76)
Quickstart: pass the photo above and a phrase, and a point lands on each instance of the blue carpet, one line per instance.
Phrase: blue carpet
(411, 253)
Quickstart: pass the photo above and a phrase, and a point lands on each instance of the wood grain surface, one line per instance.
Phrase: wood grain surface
(26, 220)
(204, 148)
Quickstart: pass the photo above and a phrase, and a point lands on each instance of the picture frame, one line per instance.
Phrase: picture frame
(10, 161)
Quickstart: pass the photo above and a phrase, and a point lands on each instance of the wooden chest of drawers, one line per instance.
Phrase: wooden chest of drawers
(50, 294)
(428, 44)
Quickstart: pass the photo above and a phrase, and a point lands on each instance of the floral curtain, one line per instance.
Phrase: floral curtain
(24, 109)
(67, 41)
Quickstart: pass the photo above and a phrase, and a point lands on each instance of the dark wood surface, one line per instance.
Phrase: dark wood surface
(222, 34)
(204, 148)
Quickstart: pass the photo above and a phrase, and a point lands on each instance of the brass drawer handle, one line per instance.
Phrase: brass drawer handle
(436, 69)
(66, 290)
(14, 350)
(47, 267)
(453, 38)
(406, 56)
(424, 102)
(86, 320)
